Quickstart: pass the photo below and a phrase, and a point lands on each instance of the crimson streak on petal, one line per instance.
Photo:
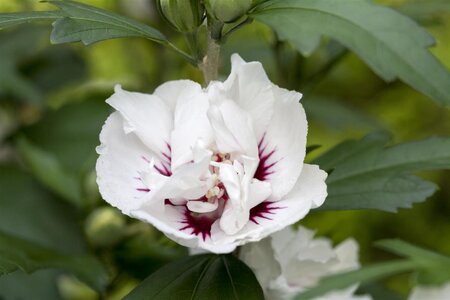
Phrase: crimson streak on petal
(263, 210)
(198, 224)
(265, 167)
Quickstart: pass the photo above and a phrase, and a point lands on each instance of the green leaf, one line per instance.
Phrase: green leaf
(365, 174)
(18, 253)
(47, 169)
(423, 9)
(435, 268)
(28, 211)
(10, 19)
(41, 285)
(386, 193)
(70, 134)
(336, 114)
(365, 274)
(393, 45)
(205, 276)
(33, 222)
(89, 24)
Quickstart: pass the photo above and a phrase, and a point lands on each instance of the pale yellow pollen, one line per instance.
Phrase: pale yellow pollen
(216, 192)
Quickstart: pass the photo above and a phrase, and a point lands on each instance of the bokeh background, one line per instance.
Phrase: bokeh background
(52, 107)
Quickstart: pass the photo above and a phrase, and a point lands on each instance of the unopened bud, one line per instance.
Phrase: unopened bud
(105, 226)
(228, 11)
(184, 15)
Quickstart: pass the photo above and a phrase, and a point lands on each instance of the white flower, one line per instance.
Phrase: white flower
(212, 168)
(289, 262)
(431, 292)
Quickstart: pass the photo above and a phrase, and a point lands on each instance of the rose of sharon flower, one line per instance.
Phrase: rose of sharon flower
(431, 292)
(211, 168)
(289, 262)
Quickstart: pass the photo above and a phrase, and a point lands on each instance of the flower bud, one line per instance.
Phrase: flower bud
(105, 226)
(228, 11)
(71, 288)
(184, 15)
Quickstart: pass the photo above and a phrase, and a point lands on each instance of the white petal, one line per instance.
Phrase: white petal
(169, 222)
(187, 182)
(233, 129)
(250, 87)
(283, 148)
(173, 91)
(259, 191)
(303, 260)
(309, 191)
(199, 206)
(191, 123)
(235, 214)
(431, 292)
(145, 115)
(348, 255)
(123, 157)
(259, 257)
(346, 294)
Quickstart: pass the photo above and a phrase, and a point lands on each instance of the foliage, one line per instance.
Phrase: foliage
(339, 53)
(201, 277)
(364, 174)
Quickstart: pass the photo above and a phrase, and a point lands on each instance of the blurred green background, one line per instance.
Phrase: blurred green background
(52, 109)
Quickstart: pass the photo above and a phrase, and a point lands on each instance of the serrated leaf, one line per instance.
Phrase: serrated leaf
(386, 193)
(363, 275)
(200, 277)
(393, 45)
(364, 174)
(18, 253)
(10, 19)
(435, 266)
(47, 169)
(89, 24)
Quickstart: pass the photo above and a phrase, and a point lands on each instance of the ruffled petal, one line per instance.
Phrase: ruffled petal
(260, 258)
(309, 191)
(233, 129)
(123, 157)
(282, 149)
(173, 91)
(191, 123)
(249, 86)
(235, 214)
(186, 183)
(431, 292)
(147, 116)
(200, 206)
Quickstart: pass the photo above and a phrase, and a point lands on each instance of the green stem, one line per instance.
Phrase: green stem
(248, 20)
(210, 63)
(186, 56)
(192, 41)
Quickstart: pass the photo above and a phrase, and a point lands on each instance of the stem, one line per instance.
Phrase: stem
(248, 20)
(182, 53)
(210, 63)
(192, 41)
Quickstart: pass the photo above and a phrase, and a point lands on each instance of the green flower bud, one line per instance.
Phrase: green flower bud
(184, 15)
(71, 288)
(105, 226)
(228, 11)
